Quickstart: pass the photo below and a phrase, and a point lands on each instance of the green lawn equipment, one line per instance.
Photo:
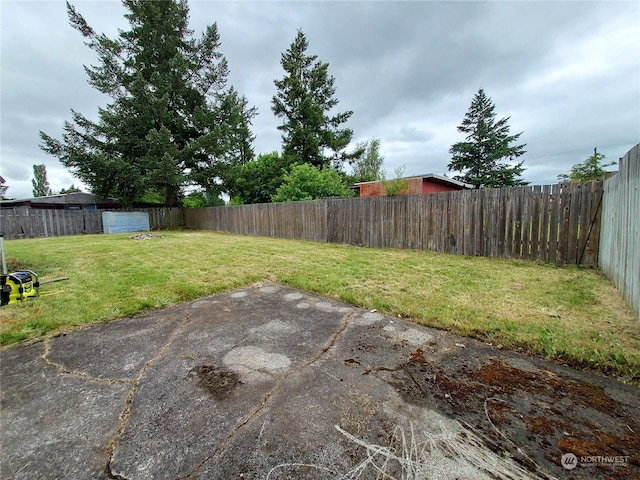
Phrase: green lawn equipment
(16, 286)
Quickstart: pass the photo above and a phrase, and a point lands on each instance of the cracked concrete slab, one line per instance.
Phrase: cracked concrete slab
(269, 382)
(138, 340)
(54, 425)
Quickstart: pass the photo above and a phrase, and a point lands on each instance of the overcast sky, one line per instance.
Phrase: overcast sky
(567, 73)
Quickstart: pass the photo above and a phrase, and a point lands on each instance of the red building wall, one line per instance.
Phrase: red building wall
(372, 189)
(416, 186)
(429, 186)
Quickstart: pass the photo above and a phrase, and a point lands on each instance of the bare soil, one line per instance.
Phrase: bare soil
(533, 414)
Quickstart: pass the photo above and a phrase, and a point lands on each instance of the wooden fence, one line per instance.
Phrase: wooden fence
(298, 220)
(620, 234)
(25, 222)
(551, 223)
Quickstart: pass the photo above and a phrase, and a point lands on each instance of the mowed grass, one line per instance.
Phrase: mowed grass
(567, 314)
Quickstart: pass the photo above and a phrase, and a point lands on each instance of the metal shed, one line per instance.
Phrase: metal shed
(122, 222)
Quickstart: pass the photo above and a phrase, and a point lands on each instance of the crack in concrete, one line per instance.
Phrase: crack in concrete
(77, 373)
(270, 394)
(124, 416)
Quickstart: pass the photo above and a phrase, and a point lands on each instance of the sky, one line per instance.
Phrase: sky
(566, 73)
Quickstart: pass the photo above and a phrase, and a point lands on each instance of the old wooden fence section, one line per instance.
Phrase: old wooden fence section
(24, 222)
(552, 223)
(620, 239)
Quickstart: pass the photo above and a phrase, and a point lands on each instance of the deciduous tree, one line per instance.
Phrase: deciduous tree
(483, 159)
(41, 187)
(201, 200)
(71, 189)
(306, 182)
(398, 185)
(367, 167)
(258, 180)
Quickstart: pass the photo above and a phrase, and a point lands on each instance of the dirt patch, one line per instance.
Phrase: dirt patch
(219, 383)
(501, 378)
(533, 414)
(504, 378)
(540, 426)
(145, 236)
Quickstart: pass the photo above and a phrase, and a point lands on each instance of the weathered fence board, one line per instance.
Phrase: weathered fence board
(550, 223)
(535, 223)
(619, 255)
(592, 250)
(25, 222)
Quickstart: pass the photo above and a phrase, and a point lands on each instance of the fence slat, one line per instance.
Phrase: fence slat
(575, 196)
(595, 222)
(535, 223)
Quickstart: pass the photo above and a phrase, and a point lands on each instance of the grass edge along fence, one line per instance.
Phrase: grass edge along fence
(550, 223)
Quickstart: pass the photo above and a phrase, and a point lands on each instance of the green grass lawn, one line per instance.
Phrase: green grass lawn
(570, 315)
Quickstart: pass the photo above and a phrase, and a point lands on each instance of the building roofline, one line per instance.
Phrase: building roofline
(433, 176)
(60, 195)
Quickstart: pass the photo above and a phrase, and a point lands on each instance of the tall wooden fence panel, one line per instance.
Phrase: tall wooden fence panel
(551, 223)
(298, 220)
(25, 222)
(620, 232)
(163, 218)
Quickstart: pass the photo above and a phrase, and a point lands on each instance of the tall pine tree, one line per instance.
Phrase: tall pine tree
(165, 127)
(238, 147)
(482, 158)
(304, 101)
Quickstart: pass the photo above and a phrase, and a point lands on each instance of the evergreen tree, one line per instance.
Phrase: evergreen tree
(238, 150)
(481, 158)
(591, 169)
(40, 183)
(304, 101)
(166, 126)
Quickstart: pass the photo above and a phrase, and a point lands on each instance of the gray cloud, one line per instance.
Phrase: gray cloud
(567, 73)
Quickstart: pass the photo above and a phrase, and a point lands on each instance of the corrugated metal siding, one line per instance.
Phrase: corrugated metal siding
(122, 222)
